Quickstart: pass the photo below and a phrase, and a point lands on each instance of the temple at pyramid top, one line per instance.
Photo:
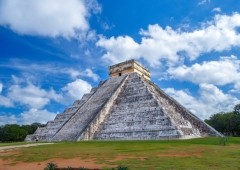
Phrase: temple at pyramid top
(127, 106)
(130, 66)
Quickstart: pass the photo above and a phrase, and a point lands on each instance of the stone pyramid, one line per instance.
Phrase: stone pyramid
(127, 106)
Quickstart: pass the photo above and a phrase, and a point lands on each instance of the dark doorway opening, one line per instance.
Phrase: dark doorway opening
(119, 74)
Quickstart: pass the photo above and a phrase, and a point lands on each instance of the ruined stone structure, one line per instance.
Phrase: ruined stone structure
(127, 106)
(130, 66)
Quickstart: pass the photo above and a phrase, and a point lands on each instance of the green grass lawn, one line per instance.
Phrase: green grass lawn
(202, 153)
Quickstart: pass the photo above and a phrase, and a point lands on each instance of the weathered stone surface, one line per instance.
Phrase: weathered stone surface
(125, 107)
(76, 125)
(52, 127)
(136, 115)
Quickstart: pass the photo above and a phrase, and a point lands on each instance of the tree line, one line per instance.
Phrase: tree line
(228, 123)
(17, 133)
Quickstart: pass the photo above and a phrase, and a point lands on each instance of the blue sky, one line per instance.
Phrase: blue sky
(54, 51)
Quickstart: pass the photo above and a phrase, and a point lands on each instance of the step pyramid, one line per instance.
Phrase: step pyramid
(127, 106)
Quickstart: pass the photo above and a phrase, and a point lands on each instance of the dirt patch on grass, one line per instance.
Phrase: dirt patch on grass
(197, 153)
(90, 162)
(8, 153)
(124, 157)
(74, 163)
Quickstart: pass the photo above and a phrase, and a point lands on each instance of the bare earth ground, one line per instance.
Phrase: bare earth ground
(74, 162)
(12, 165)
(11, 150)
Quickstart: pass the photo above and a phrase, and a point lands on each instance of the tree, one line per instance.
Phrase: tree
(227, 123)
(14, 132)
(237, 109)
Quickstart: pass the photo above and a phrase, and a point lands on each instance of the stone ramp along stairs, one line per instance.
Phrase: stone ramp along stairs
(127, 107)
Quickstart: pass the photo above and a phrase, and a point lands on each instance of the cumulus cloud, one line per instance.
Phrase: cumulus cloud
(211, 100)
(119, 49)
(76, 89)
(45, 17)
(222, 72)
(4, 101)
(36, 98)
(204, 2)
(36, 115)
(89, 73)
(8, 119)
(28, 117)
(1, 87)
(216, 10)
(86, 73)
(48, 69)
(158, 44)
(32, 96)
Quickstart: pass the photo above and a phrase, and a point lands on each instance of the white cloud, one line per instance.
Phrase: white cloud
(216, 10)
(73, 73)
(28, 117)
(222, 72)
(158, 44)
(1, 87)
(204, 2)
(32, 96)
(45, 17)
(47, 69)
(35, 115)
(89, 73)
(86, 73)
(76, 89)
(8, 119)
(119, 49)
(36, 98)
(4, 101)
(87, 36)
(211, 100)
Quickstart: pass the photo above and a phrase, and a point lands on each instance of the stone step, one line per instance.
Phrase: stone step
(148, 103)
(150, 129)
(130, 118)
(139, 135)
(138, 124)
(138, 113)
(134, 109)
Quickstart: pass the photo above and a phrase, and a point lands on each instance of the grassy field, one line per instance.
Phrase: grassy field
(203, 153)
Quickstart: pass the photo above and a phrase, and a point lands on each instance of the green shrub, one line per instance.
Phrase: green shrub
(82, 168)
(223, 141)
(51, 166)
(120, 167)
